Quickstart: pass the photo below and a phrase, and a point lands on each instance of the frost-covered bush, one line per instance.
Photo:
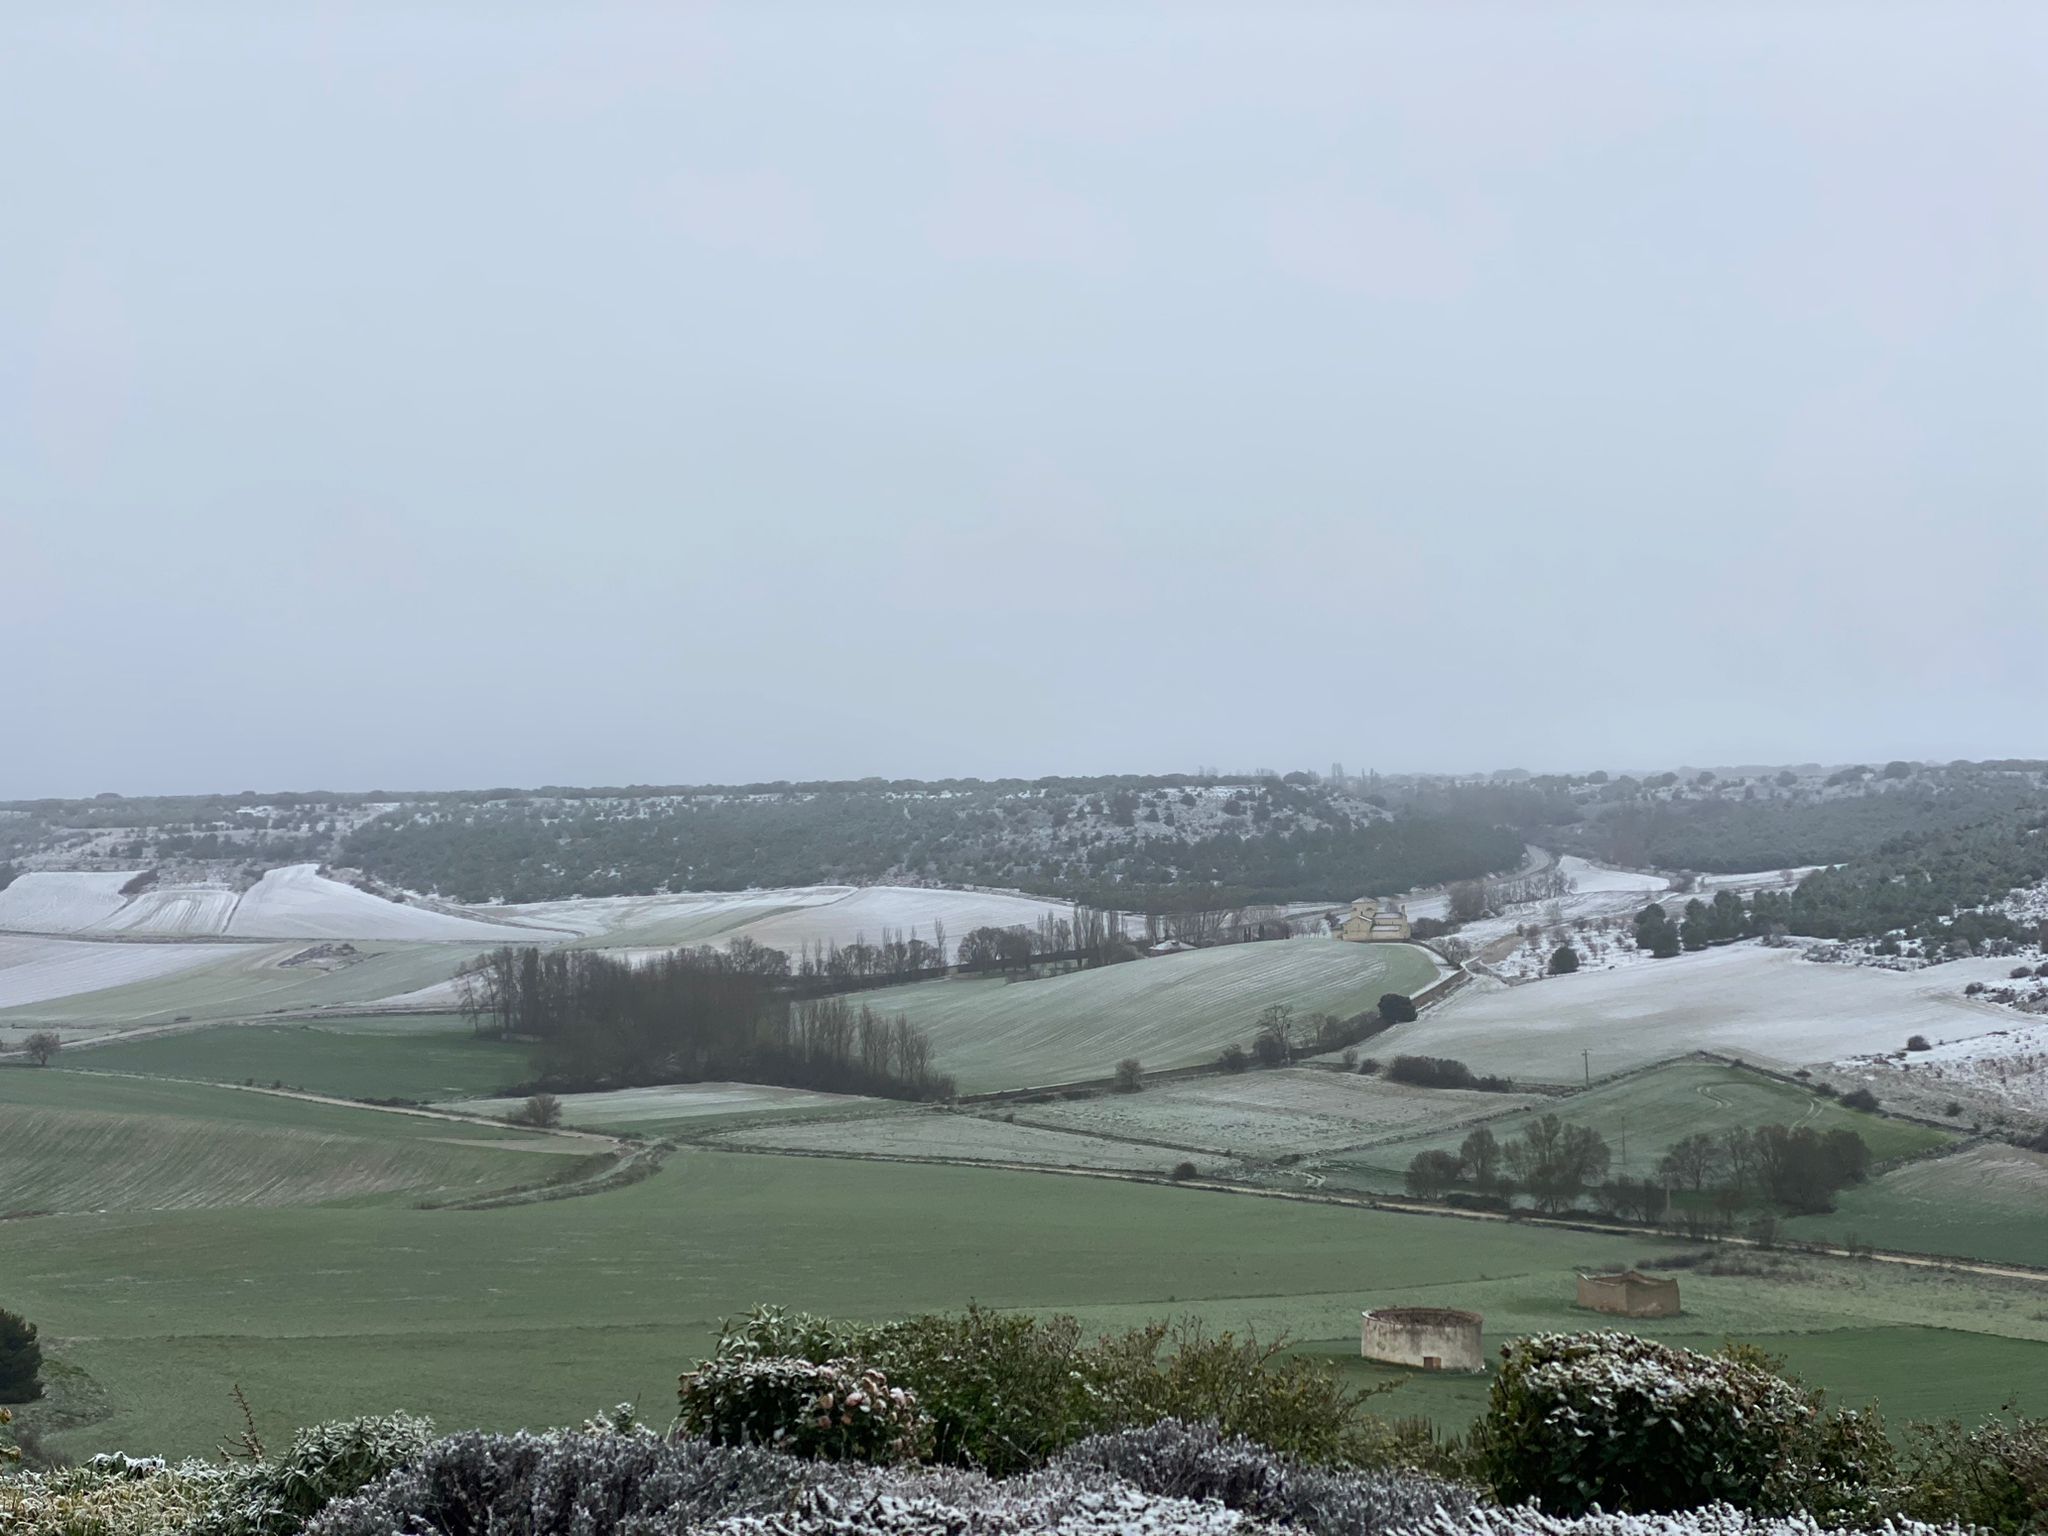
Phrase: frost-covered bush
(1582, 1419)
(110, 1496)
(837, 1409)
(1169, 1480)
(1197, 1462)
(1004, 1392)
(1712, 1520)
(325, 1462)
(574, 1484)
(1994, 1476)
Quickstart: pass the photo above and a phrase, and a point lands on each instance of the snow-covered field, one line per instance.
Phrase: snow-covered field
(1264, 1114)
(784, 919)
(1766, 1003)
(628, 1109)
(187, 909)
(34, 970)
(294, 902)
(66, 902)
(298, 902)
(940, 1133)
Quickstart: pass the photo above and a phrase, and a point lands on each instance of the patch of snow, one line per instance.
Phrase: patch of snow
(298, 902)
(62, 901)
(37, 970)
(1742, 998)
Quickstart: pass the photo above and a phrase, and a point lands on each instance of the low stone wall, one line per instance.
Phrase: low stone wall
(1428, 1338)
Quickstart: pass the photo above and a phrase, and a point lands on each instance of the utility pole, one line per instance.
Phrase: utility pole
(1586, 1058)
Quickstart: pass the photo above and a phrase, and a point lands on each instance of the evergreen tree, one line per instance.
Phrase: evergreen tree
(21, 1359)
(1563, 960)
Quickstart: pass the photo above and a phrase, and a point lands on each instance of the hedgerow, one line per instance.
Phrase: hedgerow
(1005, 1392)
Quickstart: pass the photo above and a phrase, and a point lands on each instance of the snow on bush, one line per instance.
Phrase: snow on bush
(839, 1410)
(1713, 1520)
(1197, 1462)
(1169, 1480)
(1611, 1420)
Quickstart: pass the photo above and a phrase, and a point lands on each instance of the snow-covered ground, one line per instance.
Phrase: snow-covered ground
(294, 902)
(191, 909)
(1766, 1003)
(1590, 879)
(35, 970)
(298, 902)
(62, 902)
(784, 919)
(630, 1108)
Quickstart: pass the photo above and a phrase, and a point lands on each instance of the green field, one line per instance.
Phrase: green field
(421, 1057)
(1643, 1114)
(248, 982)
(1169, 1012)
(84, 1143)
(540, 1313)
(1989, 1202)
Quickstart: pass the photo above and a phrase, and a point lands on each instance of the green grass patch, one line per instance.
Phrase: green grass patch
(538, 1314)
(1643, 1115)
(250, 981)
(1174, 1011)
(1908, 1372)
(77, 1143)
(1985, 1203)
(417, 1057)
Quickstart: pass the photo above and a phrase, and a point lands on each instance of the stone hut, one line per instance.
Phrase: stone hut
(1629, 1294)
(1429, 1338)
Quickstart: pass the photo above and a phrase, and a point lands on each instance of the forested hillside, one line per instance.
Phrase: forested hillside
(1125, 842)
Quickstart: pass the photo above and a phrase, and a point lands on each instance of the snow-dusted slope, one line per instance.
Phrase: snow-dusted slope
(298, 902)
(34, 970)
(192, 909)
(1769, 1003)
(66, 901)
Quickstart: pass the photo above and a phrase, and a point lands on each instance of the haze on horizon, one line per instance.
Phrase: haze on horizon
(504, 395)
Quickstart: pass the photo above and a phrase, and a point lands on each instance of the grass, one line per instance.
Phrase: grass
(1642, 1115)
(1983, 1203)
(1269, 1113)
(683, 1108)
(77, 1143)
(539, 1314)
(1168, 1012)
(422, 1058)
(1909, 1372)
(248, 982)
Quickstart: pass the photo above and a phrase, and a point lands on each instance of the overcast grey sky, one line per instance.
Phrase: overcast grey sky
(474, 394)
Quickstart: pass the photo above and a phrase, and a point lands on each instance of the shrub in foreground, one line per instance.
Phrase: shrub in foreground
(1993, 1477)
(276, 1498)
(1608, 1419)
(837, 1409)
(1712, 1520)
(1170, 1480)
(1005, 1392)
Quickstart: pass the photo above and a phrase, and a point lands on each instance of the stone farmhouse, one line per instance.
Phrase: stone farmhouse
(1372, 921)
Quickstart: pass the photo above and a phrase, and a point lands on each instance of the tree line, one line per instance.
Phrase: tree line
(1557, 1163)
(691, 1015)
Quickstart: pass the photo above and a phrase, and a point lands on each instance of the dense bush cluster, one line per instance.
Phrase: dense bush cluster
(1005, 1392)
(126, 1496)
(1443, 1072)
(1608, 1419)
(837, 1410)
